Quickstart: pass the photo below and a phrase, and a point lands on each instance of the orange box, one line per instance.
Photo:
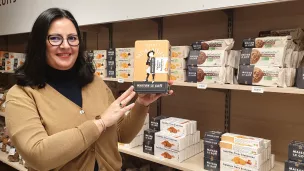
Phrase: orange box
(151, 66)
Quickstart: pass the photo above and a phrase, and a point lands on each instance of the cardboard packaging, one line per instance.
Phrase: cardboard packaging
(191, 74)
(268, 42)
(178, 126)
(229, 166)
(124, 53)
(178, 75)
(244, 140)
(126, 74)
(101, 72)
(217, 44)
(241, 148)
(155, 122)
(100, 54)
(148, 147)
(125, 64)
(212, 164)
(178, 64)
(212, 149)
(293, 166)
(211, 75)
(296, 34)
(274, 57)
(180, 51)
(266, 76)
(152, 66)
(149, 135)
(296, 151)
(176, 143)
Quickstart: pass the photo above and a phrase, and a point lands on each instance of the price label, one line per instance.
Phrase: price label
(201, 86)
(12, 151)
(257, 89)
(120, 80)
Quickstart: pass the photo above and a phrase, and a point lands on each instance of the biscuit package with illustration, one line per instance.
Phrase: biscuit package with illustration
(269, 42)
(217, 44)
(152, 66)
(266, 76)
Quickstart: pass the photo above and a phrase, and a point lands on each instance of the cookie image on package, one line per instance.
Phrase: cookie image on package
(200, 75)
(259, 43)
(255, 56)
(205, 46)
(201, 58)
(257, 75)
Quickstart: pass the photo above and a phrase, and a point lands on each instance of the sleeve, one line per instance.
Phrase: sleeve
(39, 150)
(129, 125)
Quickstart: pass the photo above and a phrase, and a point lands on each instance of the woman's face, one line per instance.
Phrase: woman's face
(62, 56)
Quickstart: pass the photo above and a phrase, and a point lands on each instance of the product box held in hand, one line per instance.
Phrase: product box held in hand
(152, 66)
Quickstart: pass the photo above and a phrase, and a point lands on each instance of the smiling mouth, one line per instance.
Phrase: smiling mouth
(63, 55)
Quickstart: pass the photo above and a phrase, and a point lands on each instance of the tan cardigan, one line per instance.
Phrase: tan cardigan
(50, 133)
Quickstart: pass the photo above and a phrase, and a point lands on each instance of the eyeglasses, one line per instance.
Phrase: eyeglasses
(57, 40)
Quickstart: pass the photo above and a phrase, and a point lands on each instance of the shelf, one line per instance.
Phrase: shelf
(288, 90)
(8, 72)
(16, 165)
(195, 163)
(2, 114)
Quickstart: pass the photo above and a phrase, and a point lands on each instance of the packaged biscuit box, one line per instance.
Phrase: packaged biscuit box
(180, 51)
(101, 72)
(152, 66)
(266, 76)
(178, 75)
(124, 53)
(126, 74)
(265, 57)
(268, 42)
(296, 151)
(294, 166)
(100, 54)
(217, 44)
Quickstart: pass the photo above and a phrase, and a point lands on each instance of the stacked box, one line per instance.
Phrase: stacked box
(212, 62)
(178, 63)
(124, 63)
(178, 139)
(212, 150)
(99, 60)
(270, 61)
(111, 63)
(149, 134)
(295, 156)
(245, 152)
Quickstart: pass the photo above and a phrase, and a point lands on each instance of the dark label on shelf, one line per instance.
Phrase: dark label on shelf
(245, 56)
(149, 135)
(294, 166)
(296, 151)
(111, 72)
(155, 122)
(245, 74)
(212, 149)
(249, 43)
(300, 78)
(111, 55)
(148, 147)
(192, 59)
(191, 74)
(216, 135)
(211, 164)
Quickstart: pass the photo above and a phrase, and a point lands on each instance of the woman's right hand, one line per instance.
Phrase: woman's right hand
(116, 110)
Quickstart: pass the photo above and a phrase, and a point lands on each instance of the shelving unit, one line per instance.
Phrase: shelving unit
(231, 108)
(195, 163)
(16, 165)
(288, 90)
(8, 72)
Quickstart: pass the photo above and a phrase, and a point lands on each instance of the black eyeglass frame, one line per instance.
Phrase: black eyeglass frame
(48, 38)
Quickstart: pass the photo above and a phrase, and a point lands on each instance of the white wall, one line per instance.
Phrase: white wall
(18, 16)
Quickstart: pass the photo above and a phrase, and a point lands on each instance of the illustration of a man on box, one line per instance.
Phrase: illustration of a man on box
(151, 63)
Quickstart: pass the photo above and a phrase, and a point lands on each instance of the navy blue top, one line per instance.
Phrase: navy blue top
(65, 82)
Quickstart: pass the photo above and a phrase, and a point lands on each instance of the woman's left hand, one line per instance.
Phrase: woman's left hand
(147, 99)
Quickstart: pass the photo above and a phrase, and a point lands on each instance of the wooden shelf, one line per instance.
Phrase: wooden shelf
(8, 72)
(16, 165)
(288, 90)
(2, 114)
(195, 163)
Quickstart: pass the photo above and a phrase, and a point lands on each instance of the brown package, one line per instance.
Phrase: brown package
(152, 66)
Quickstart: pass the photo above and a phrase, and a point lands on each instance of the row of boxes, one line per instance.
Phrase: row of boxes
(10, 61)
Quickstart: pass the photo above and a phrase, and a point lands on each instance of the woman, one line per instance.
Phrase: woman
(59, 115)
